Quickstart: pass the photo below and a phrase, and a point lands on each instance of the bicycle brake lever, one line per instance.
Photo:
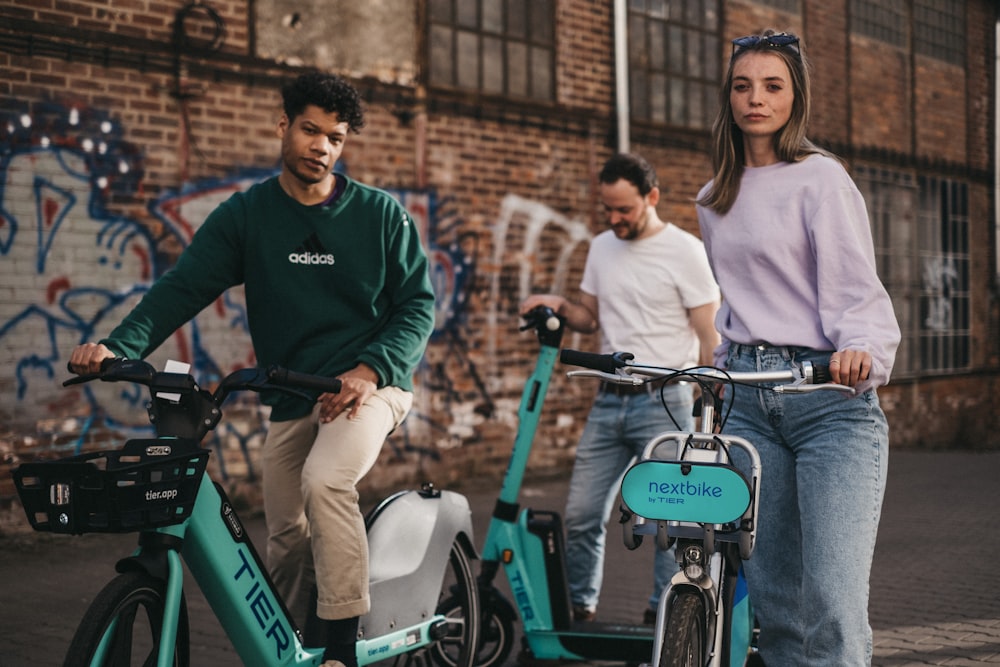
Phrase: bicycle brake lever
(802, 387)
(606, 377)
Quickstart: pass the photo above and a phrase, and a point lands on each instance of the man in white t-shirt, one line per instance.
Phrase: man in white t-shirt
(647, 287)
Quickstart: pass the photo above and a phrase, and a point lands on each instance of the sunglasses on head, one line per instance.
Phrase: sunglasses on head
(778, 41)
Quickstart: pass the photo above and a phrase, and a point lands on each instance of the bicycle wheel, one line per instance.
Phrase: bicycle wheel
(496, 630)
(459, 603)
(686, 632)
(125, 620)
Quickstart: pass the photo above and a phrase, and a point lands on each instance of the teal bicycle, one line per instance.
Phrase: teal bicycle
(686, 491)
(425, 603)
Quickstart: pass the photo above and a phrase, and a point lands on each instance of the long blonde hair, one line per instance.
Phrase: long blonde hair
(790, 142)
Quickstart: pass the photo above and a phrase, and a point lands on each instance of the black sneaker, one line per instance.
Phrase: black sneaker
(649, 617)
(583, 613)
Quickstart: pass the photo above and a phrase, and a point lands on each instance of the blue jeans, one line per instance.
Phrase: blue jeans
(824, 460)
(617, 430)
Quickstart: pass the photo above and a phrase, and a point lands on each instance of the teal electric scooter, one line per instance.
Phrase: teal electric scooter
(529, 546)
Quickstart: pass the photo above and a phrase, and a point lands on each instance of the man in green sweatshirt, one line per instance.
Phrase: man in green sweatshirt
(336, 284)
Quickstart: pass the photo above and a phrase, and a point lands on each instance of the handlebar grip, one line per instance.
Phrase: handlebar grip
(283, 376)
(104, 364)
(821, 374)
(606, 363)
(541, 316)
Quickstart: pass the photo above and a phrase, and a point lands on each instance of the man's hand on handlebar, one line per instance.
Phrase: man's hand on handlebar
(358, 385)
(552, 301)
(87, 358)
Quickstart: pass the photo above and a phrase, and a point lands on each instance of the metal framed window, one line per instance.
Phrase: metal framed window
(939, 29)
(938, 26)
(884, 20)
(497, 47)
(674, 61)
(920, 226)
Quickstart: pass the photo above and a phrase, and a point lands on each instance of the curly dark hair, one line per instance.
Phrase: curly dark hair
(327, 91)
(633, 168)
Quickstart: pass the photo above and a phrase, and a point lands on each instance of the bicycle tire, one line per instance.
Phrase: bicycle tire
(685, 633)
(131, 607)
(459, 603)
(496, 631)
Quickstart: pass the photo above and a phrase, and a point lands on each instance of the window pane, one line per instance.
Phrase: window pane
(492, 16)
(675, 45)
(677, 101)
(695, 110)
(517, 20)
(492, 65)
(441, 56)
(658, 98)
(541, 72)
(639, 97)
(657, 49)
(517, 69)
(657, 8)
(694, 58)
(440, 11)
(468, 13)
(541, 18)
(467, 59)
(638, 51)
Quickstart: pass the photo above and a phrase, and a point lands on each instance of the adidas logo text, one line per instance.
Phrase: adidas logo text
(310, 258)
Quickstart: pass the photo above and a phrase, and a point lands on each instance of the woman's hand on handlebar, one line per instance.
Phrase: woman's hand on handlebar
(87, 358)
(357, 386)
(850, 367)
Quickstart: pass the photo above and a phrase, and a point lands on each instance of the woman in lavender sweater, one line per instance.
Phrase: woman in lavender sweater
(788, 238)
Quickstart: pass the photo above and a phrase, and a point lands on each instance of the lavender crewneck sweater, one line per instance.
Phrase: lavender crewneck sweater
(795, 261)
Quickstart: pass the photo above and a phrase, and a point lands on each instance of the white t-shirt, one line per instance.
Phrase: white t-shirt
(644, 289)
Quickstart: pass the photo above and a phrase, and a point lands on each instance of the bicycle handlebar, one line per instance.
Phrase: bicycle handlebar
(286, 378)
(618, 368)
(254, 379)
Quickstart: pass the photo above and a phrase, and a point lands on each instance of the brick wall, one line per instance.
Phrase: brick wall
(123, 157)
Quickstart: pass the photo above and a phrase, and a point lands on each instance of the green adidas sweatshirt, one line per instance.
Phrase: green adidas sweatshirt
(326, 287)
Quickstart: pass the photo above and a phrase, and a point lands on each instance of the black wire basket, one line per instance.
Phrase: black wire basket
(145, 484)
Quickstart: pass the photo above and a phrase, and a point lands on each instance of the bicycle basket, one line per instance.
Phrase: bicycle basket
(145, 484)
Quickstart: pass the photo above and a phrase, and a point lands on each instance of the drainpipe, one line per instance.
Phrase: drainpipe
(996, 157)
(621, 74)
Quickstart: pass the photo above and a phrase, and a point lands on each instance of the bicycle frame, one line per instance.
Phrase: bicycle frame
(157, 488)
(687, 484)
(226, 567)
(684, 482)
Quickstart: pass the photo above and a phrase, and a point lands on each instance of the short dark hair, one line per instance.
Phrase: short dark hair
(633, 168)
(327, 91)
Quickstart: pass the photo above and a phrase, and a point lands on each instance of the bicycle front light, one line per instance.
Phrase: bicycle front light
(694, 562)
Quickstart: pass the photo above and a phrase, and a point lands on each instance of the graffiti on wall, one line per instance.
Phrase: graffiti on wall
(71, 270)
(941, 281)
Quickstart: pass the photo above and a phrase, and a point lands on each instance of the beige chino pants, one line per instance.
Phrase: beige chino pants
(315, 527)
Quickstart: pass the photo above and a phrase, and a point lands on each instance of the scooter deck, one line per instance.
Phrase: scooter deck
(594, 640)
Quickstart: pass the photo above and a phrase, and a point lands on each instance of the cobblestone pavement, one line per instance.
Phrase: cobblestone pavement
(934, 581)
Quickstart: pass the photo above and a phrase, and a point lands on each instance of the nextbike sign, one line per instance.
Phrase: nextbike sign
(682, 491)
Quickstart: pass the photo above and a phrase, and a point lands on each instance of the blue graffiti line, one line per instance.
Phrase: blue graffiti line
(46, 191)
